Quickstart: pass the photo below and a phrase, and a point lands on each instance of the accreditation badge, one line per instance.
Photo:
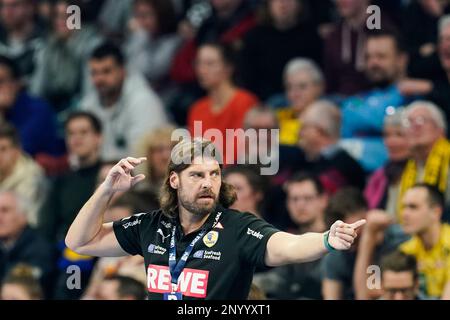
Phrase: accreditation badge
(173, 296)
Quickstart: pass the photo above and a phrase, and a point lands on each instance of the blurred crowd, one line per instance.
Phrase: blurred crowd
(362, 115)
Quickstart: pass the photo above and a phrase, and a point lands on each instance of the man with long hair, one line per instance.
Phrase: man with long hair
(194, 246)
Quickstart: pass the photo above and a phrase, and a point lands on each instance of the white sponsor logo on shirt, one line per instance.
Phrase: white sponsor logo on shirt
(164, 237)
(152, 248)
(131, 223)
(191, 283)
(207, 254)
(254, 233)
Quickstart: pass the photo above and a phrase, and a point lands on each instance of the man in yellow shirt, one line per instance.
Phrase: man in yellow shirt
(304, 83)
(423, 206)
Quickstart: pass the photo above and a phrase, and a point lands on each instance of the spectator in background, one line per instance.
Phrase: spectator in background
(382, 188)
(306, 203)
(285, 158)
(381, 231)
(430, 151)
(422, 209)
(225, 105)
(424, 62)
(363, 114)
(304, 84)
(269, 154)
(440, 91)
(280, 37)
(121, 288)
(321, 153)
(437, 89)
(386, 63)
(33, 118)
(19, 243)
(21, 284)
(21, 36)
(156, 146)
(19, 173)
(349, 205)
(44, 11)
(64, 49)
(227, 24)
(423, 206)
(152, 43)
(126, 106)
(399, 277)
(250, 188)
(262, 121)
(428, 13)
(344, 49)
(70, 191)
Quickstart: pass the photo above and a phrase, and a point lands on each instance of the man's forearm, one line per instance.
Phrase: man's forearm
(286, 248)
(89, 220)
(364, 258)
(308, 247)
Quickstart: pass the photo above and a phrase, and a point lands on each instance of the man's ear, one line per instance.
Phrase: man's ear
(437, 212)
(405, 58)
(259, 196)
(174, 180)
(324, 199)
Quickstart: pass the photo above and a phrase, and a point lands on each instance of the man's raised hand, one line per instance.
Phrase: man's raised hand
(342, 235)
(119, 178)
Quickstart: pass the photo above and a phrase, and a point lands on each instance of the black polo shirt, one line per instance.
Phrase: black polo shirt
(221, 264)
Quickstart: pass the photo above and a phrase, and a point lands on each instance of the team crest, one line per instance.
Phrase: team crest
(211, 238)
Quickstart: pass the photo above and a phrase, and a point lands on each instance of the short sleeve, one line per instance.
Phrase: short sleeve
(394, 237)
(252, 236)
(128, 233)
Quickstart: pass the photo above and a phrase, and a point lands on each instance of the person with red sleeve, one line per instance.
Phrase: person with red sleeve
(225, 105)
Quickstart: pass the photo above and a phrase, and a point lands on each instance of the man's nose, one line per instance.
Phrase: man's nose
(399, 296)
(206, 183)
(404, 213)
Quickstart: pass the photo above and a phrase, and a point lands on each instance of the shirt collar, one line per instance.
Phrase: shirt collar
(208, 223)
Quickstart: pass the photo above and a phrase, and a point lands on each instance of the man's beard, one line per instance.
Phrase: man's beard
(382, 80)
(197, 208)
